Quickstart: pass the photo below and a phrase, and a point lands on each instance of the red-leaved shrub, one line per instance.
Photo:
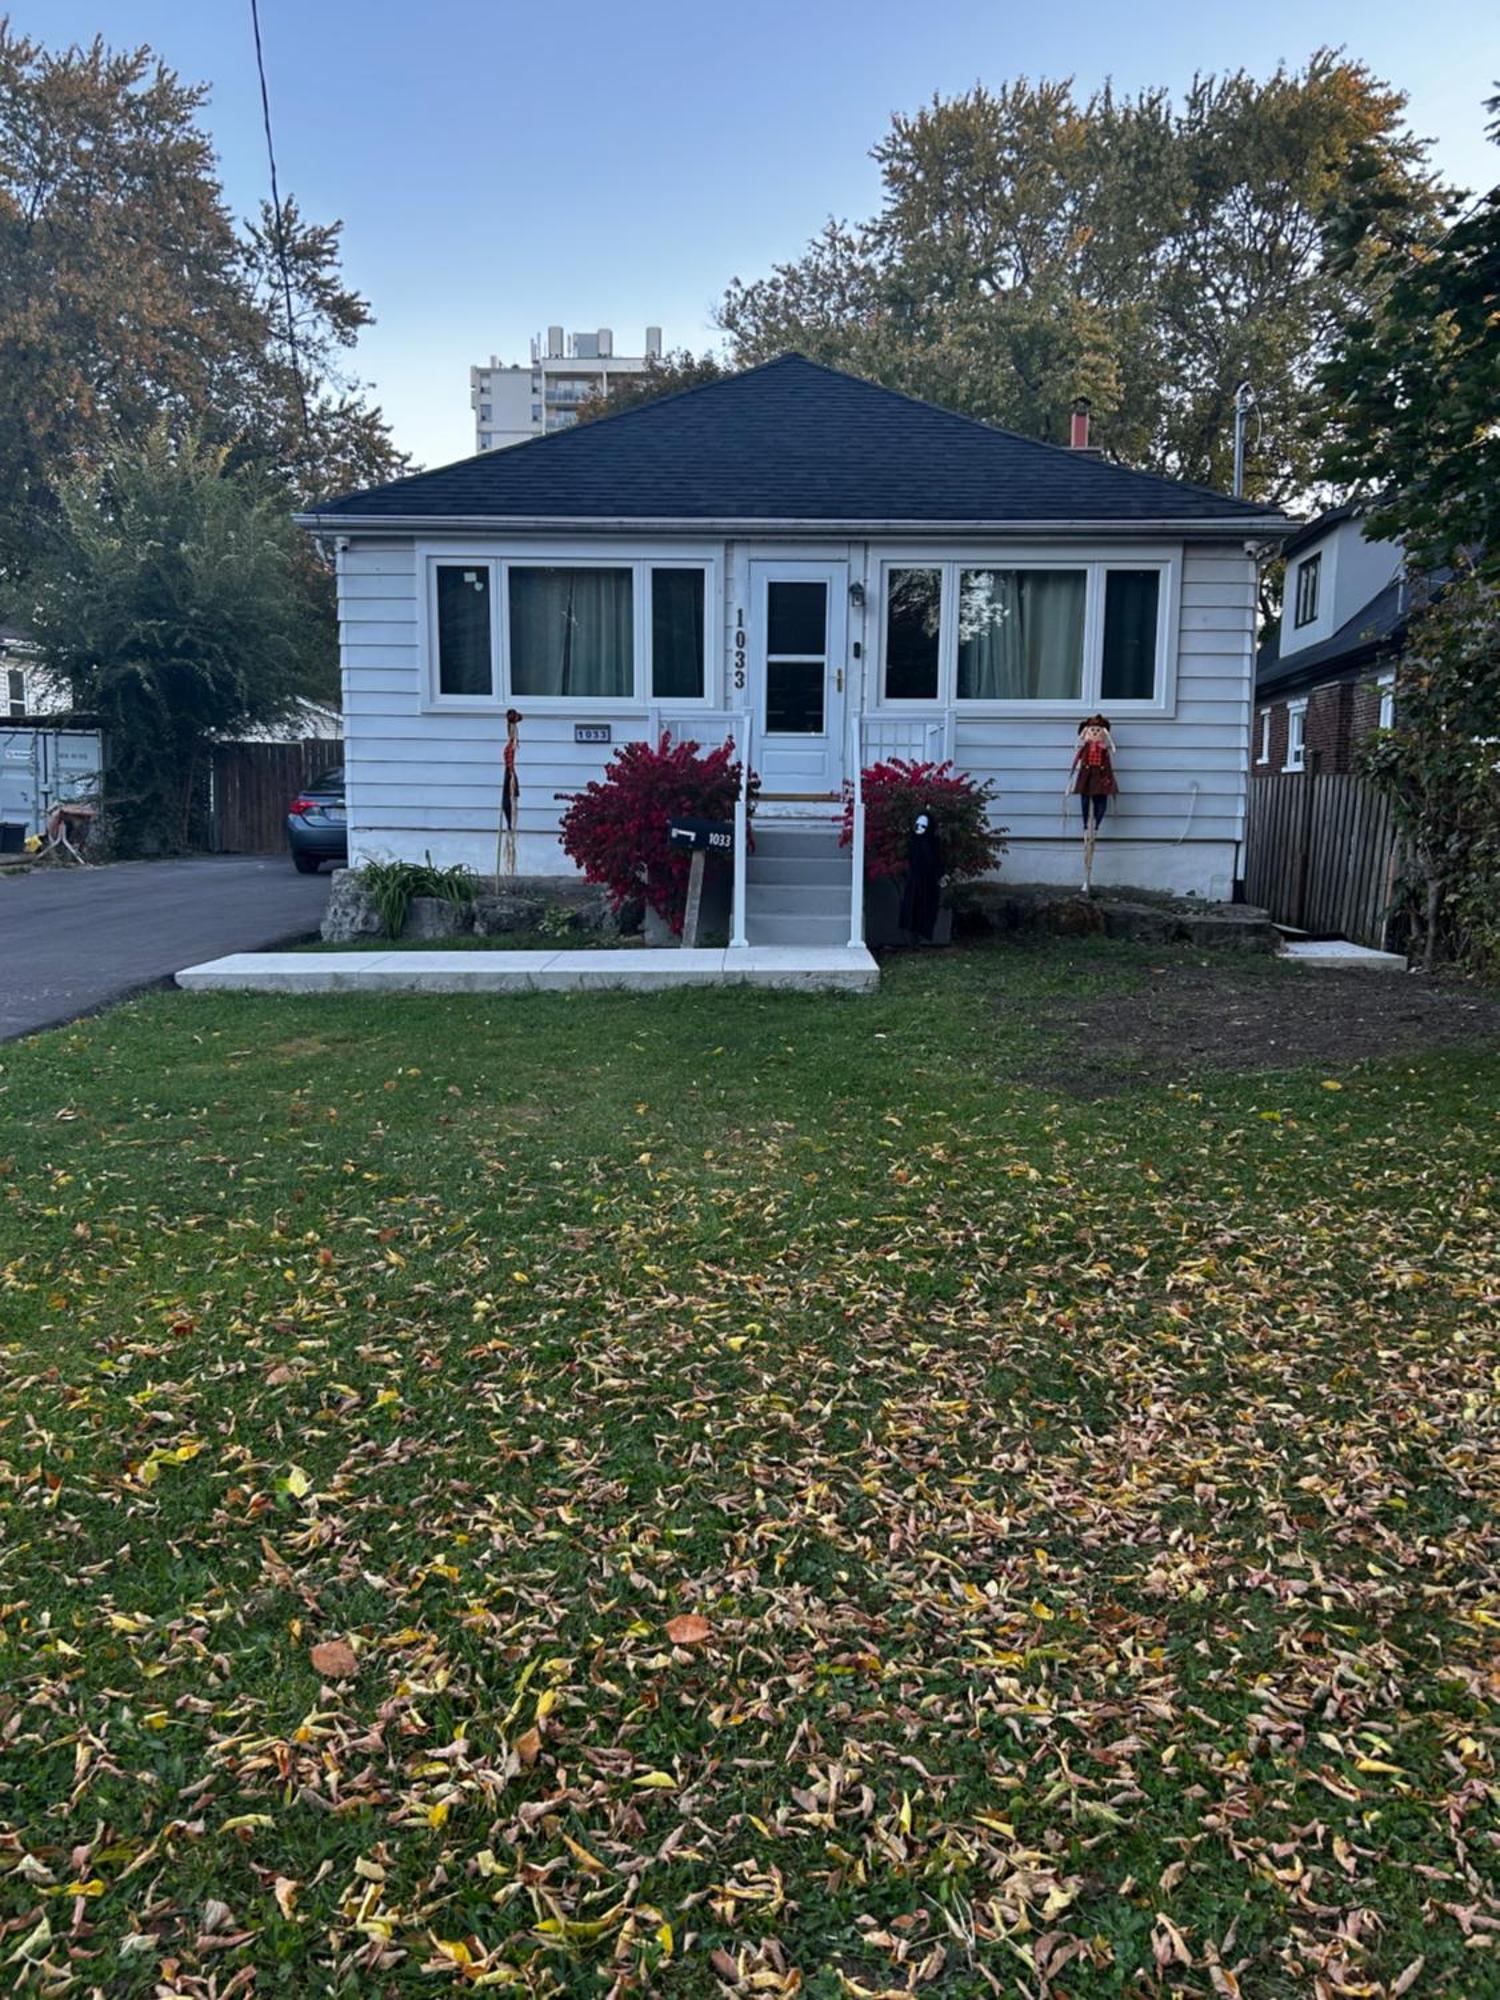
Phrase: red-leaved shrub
(896, 791)
(616, 829)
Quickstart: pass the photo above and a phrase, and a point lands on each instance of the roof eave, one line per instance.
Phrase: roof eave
(1238, 527)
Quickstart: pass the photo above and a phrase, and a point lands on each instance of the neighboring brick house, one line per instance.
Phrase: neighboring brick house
(1325, 678)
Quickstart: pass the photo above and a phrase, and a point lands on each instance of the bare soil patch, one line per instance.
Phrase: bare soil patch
(1239, 1018)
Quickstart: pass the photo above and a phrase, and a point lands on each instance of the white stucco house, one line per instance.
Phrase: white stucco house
(829, 572)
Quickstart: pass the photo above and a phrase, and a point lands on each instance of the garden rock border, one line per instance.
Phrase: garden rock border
(500, 907)
(1006, 907)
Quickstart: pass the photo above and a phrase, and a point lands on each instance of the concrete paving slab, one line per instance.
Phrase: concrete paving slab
(1345, 957)
(802, 967)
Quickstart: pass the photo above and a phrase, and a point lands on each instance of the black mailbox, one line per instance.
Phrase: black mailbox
(711, 836)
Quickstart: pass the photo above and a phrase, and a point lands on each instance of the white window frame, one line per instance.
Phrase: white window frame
(1296, 736)
(1264, 754)
(637, 558)
(1385, 685)
(1095, 563)
(1312, 568)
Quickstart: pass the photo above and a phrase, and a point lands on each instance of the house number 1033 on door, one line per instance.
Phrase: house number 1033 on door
(739, 653)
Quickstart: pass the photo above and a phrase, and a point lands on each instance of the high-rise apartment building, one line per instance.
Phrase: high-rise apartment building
(513, 402)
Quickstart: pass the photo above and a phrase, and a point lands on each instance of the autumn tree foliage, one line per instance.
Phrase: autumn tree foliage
(1032, 246)
(131, 297)
(1413, 398)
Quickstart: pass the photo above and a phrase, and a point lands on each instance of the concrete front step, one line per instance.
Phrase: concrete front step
(769, 868)
(783, 837)
(817, 898)
(779, 928)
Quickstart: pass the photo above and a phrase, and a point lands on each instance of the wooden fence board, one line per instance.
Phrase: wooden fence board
(1319, 854)
(252, 785)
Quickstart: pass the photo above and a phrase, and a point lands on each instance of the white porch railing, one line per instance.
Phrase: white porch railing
(712, 729)
(873, 739)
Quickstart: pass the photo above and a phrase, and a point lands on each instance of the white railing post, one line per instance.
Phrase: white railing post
(738, 939)
(857, 855)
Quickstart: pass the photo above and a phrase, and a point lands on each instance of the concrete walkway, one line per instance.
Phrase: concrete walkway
(805, 968)
(1342, 956)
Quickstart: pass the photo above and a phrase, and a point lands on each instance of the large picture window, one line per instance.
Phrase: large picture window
(588, 632)
(572, 632)
(1060, 634)
(1020, 634)
(465, 662)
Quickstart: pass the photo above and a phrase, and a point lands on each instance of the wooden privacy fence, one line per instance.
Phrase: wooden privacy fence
(252, 784)
(1320, 854)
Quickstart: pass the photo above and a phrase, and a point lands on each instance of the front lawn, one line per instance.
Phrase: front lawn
(866, 1495)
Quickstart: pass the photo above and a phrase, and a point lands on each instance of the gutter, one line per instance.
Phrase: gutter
(1249, 528)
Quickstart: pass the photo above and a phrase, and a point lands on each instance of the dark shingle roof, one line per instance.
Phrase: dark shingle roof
(792, 441)
(1375, 627)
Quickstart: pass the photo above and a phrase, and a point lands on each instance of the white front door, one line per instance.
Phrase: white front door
(798, 626)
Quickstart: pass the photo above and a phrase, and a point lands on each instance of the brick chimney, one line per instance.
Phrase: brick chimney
(1079, 439)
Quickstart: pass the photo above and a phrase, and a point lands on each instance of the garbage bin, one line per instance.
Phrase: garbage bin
(12, 836)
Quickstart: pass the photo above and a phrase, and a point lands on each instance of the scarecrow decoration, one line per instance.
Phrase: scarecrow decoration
(1093, 783)
(510, 796)
(922, 894)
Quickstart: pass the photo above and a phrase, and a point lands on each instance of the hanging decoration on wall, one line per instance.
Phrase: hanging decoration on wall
(510, 797)
(1093, 783)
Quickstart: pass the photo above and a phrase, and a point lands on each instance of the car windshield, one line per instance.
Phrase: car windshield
(331, 781)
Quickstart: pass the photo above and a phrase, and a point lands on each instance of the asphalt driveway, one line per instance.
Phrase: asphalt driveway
(74, 940)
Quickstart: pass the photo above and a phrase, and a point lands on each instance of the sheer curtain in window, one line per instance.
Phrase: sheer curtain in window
(572, 633)
(1020, 635)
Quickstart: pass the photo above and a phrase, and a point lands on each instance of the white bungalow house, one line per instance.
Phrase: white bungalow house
(829, 572)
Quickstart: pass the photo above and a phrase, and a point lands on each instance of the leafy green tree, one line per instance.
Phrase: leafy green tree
(129, 298)
(1415, 388)
(1440, 767)
(176, 601)
(1031, 248)
(665, 376)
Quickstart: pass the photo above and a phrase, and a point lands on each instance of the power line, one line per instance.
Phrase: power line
(279, 233)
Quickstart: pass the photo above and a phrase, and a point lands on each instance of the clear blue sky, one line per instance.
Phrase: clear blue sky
(498, 167)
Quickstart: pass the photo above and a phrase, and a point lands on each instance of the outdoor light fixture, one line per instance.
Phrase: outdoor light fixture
(856, 593)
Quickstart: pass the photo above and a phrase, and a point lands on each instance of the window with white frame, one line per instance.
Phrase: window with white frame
(1386, 684)
(537, 631)
(1309, 577)
(1296, 723)
(1066, 634)
(1264, 755)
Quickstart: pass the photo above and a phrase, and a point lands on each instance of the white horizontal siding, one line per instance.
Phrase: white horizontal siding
(1181, 776)
(420, 779)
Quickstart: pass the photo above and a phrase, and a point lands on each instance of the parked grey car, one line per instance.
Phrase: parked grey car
(315, 823)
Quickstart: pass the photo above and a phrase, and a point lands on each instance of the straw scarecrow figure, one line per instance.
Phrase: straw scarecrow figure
(1093, 783)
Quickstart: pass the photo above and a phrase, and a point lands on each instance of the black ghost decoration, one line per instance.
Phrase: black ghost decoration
(923, 893)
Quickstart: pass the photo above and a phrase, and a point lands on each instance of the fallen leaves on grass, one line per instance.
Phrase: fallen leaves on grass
(1092, 1520)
